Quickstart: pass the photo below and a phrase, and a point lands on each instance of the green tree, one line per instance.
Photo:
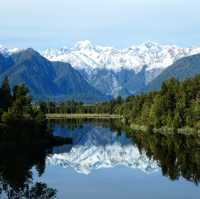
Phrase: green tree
(5, 94)
(21, 105)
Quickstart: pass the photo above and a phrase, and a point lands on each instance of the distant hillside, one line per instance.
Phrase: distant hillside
(181, 69)
(122, 83)
(45, 79)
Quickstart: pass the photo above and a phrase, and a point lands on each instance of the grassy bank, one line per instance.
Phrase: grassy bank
(81, 115)
(166, 130)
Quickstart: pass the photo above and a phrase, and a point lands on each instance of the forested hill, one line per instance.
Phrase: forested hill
(182, 69)
(176, 105)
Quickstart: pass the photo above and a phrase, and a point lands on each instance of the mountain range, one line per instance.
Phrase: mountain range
(120, 72)
(97, 148)
(46, 79)
(93, 73)
(182, 69)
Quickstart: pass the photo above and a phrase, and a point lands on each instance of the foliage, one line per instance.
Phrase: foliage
(20, 121)
(5, 94)
(176, 105)
(79, 107)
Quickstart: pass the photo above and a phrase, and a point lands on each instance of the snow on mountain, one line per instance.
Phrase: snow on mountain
(100, 149)
(121, 72)
(84, 159)
(117, 72)
(8, 51)
(85, 55)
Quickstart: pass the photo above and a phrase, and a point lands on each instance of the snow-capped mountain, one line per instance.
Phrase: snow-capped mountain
(85, 159)
(108, 69)
(8, 51)
(114, 72)
(86, 55)
(96, 148)
(45, 79)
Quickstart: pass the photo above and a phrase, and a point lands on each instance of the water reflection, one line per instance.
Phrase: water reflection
(16, 172)
(177, 155)
(96, 145)
(105, 145)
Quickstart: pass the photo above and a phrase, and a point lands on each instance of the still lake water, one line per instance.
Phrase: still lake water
(104, 162)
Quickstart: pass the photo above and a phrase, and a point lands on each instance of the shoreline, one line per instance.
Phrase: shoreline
(185, 130)
(82, 115)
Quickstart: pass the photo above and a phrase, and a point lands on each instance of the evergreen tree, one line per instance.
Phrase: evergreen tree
(5, 94)
(21, 101)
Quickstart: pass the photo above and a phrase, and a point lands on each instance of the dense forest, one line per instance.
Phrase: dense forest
(20, 121)
(79, 107)
(18, 115)
(176, 105)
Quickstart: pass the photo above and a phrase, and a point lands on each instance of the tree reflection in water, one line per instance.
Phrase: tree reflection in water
(16, 173)
(177, 155)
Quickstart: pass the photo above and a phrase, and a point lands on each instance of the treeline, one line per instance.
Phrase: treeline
(176, 105)
(16, 104)
(19, 120)
(79, 107)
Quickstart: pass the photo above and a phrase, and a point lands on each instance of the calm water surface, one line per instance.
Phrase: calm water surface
(104, 162)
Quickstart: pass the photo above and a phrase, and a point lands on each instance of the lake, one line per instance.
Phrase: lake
(104, 161)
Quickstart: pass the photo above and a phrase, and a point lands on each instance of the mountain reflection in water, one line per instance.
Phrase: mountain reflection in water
(104, 145)
(96, 145)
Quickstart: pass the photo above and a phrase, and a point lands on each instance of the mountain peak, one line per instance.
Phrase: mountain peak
(83, 45)
(101, 148)
(150, 44)
(8, 51)
(4, 51)
(85, 55)
(29, 52)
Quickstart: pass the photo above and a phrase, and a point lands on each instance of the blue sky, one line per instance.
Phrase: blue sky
(121, 23)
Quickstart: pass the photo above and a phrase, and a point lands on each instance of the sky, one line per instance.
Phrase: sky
(120, 23)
